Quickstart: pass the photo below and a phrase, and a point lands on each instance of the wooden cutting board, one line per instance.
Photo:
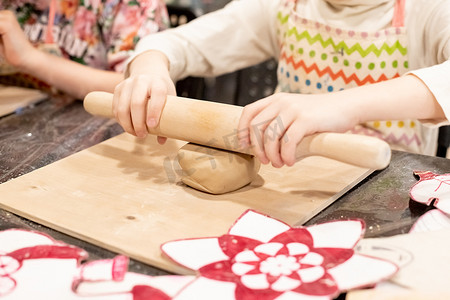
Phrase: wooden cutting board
(13, 98)
(125, 195)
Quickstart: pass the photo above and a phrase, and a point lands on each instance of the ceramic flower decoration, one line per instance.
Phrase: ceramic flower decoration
(432, 189)
(34, 266)
(430, 221)
(263, 258)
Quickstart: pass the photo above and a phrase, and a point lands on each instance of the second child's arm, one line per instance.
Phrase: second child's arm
(70, 77)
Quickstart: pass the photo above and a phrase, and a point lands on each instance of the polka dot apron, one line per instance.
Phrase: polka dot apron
(317, 58)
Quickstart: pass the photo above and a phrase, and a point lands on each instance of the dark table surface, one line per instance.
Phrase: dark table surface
(54, 129)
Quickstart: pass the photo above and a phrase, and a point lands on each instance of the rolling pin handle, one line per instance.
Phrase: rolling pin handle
(99, 104)
(355, 149)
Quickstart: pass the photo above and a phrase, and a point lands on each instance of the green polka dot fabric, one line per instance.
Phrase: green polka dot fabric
(317, 58)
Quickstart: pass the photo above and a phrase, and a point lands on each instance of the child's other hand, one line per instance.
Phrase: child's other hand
(273, 126)
(139, 100)
(14, 45)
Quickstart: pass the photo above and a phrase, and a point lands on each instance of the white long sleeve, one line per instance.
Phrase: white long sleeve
(244, 34)
(240, 35)
(428, 24)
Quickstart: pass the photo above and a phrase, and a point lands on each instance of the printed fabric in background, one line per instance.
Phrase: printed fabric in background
(98, 33)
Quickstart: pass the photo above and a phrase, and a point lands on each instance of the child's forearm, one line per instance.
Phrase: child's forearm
(70, 77)
(406, 97)
(149, 62)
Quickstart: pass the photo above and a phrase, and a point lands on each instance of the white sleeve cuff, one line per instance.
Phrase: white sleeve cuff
(437, 79)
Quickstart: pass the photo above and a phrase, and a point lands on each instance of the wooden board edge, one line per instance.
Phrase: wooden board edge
(336, 196)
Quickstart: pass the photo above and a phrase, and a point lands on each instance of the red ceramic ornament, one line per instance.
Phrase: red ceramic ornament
(432, 189)
(263, 258)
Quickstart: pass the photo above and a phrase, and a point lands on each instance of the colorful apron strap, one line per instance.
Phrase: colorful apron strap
(51, 20)
(399, 14)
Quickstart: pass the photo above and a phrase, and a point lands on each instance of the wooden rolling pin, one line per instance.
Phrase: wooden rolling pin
(215, 125)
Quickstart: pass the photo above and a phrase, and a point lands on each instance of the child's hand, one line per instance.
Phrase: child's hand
(14, 45)
(275, 125)
(139, 99)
